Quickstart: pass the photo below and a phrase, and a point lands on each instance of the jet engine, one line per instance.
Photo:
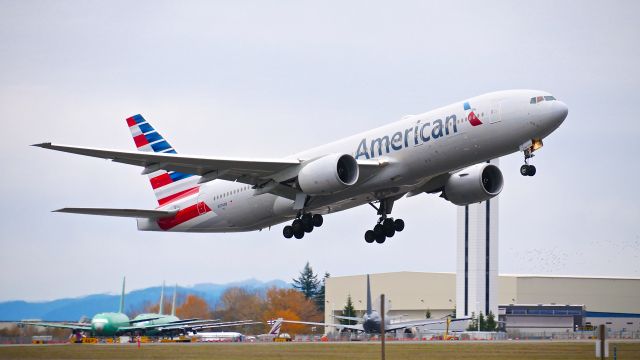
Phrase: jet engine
(328, 174)
(474, 184)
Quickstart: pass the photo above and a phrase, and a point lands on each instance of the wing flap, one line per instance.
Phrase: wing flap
(129, 213)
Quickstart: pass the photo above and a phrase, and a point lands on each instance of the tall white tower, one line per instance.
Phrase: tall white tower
(477, 258)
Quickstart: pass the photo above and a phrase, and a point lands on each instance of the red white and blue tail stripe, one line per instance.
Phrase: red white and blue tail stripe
(168, 186)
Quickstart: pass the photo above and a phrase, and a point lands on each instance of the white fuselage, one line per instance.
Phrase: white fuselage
(414, 150)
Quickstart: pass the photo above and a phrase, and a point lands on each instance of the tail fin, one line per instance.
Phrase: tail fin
(121, 310)
(167, 185)
(161, 299)
(173, 304)
(275, 329)
(368, 296)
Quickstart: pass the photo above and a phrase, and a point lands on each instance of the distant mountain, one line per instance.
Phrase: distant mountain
(74, 308)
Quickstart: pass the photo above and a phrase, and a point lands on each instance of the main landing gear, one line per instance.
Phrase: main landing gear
(386, 227)
(526, 169)
(302, 224)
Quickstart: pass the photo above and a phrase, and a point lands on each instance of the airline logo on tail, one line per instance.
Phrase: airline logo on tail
(275, 329)
(168, 186)
(471, 115)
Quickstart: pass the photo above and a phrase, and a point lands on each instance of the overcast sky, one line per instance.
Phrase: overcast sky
(271, 78)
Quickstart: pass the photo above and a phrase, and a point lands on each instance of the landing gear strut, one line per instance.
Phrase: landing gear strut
(304, 223)
(386, 227)
(526, 169)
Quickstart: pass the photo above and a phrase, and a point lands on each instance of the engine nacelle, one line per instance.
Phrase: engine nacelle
(474, 184)
(328, 174)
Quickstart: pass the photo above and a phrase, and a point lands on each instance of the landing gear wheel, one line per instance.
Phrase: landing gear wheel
(287, 232)
(532, 170)
(369, 236)
(317, 220)
(378, 232)
(527, 170)
(298, 227)
(298, 235)
(389, 228)
(399, 224)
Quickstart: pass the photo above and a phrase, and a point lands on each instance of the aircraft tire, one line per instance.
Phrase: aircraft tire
(297, 226)
(369, 236)
(317, 220)
(378, 232)
(532, 170)
(287, 232)
(389, 228)
(524, 170)
(307, 227)
(399, 224)
(298, 235)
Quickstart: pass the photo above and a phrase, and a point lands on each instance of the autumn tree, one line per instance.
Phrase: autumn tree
(307, 283)
(290, 304)
(193, 307)
(241, 304)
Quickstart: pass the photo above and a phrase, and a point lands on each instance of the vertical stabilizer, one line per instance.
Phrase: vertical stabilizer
(161, 299)
(173, 304)
(368, 296)
(121, 310)
(275, 329)
(166, 185)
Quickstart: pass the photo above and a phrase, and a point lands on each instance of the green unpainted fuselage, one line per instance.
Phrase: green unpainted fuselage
(108, 324)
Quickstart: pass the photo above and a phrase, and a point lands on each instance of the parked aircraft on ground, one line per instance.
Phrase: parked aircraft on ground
(371, 321)
(118, 323)
(441, 151)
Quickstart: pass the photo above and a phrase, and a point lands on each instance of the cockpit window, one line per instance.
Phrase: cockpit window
(539, 99)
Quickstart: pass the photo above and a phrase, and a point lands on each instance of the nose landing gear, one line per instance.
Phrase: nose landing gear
(526, 169)
(302, 224)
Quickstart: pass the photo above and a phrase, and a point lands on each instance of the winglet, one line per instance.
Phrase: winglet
(368, 296)
(161, 299)
(122, 297)
(173, 304)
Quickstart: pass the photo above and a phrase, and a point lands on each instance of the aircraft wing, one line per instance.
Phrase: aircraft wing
(357, 327)
(413, 323)
(257, 172)
(130, 213)
(85, 327)
(352, 318)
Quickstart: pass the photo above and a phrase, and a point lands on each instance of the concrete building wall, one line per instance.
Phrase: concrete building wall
(412, 293)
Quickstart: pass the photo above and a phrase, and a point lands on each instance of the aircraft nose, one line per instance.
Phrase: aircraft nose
(560, 111)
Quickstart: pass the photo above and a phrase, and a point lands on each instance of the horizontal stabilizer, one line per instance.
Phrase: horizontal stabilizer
(130, 213)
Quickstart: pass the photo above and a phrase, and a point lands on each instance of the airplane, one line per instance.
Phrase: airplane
(102, 324)
(118, 323)
(444, 151)
(161, 324)
(370, 322)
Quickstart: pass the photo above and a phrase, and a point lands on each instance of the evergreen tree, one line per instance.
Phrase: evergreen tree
(319, 296)
(491, 322)
(307, 283)
(473, 325)
(483, 324)
(350, 311)
(428, 314)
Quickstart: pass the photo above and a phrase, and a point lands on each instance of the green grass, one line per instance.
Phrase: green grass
(269, 351)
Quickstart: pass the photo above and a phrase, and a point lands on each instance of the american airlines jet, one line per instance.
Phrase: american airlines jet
(441, 151)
